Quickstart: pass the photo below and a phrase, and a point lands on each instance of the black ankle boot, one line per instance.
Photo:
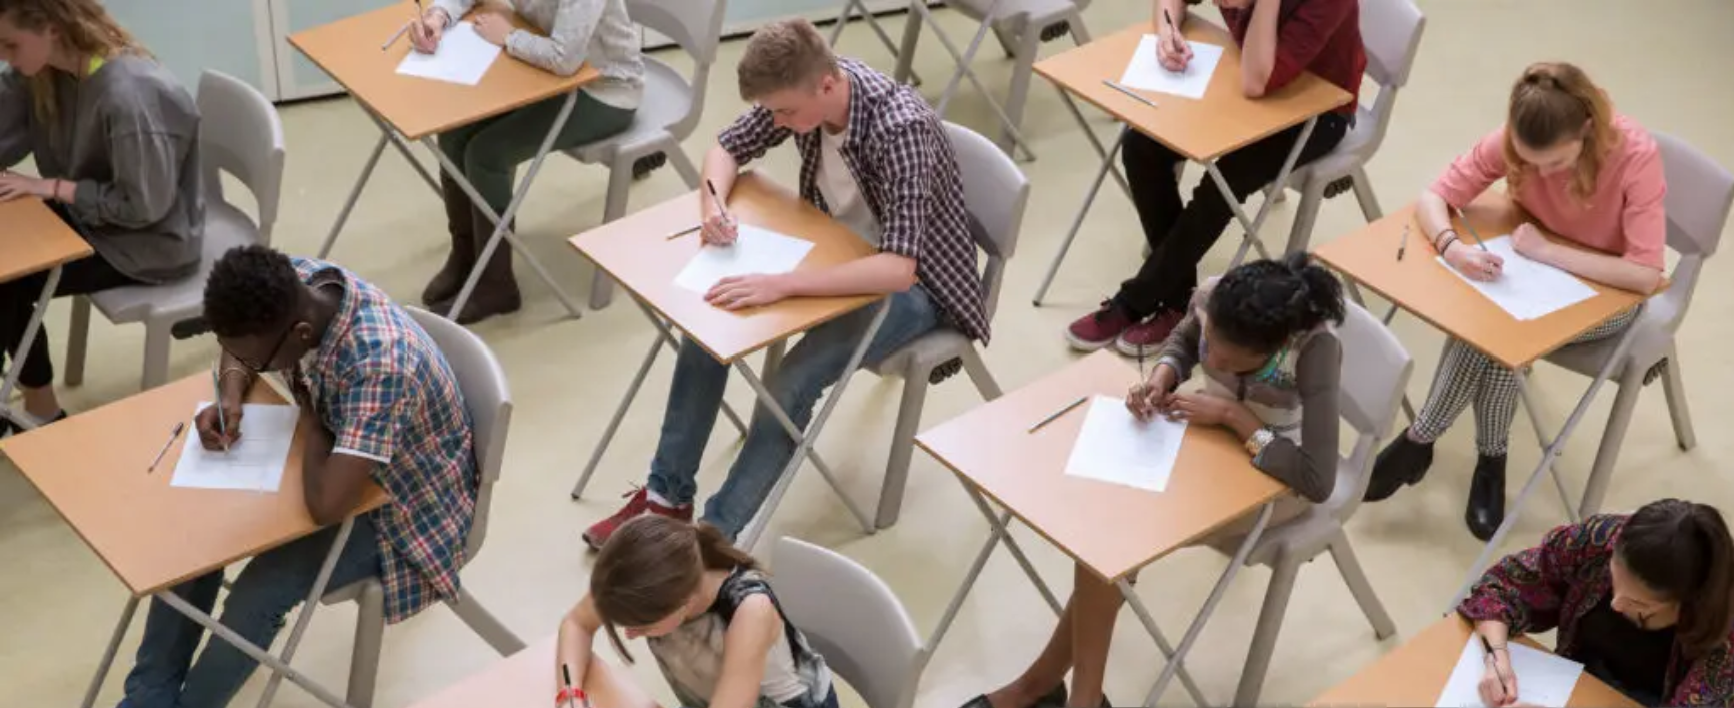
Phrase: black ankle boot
(1486, 509)
(1402, 462)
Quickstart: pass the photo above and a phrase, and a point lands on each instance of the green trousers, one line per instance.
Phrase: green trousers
(489, 151)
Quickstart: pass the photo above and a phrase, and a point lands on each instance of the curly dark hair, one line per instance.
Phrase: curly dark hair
(1260, 304)
(252, 290)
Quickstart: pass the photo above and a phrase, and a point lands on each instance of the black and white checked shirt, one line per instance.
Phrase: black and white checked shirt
(899, 154)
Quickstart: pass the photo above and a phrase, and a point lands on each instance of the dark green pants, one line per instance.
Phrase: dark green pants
(489, 151)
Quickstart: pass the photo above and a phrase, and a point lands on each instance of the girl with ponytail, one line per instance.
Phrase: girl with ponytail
(707, 613)
(1262, 336)
(1583, 172)
(1645, 602)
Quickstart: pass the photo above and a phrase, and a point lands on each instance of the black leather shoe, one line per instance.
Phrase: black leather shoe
(1402, 462)
(1486, 497)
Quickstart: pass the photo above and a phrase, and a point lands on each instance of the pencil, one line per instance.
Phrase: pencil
(683, 232)
(1056, 415)
(1404, 244)
(566, 673)
(395, 37)
(217, 400)
(724, 208)
(1117, 86)
(173, 435)
(1470, 228)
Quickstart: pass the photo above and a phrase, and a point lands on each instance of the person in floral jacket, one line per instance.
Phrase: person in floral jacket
(1643, 601)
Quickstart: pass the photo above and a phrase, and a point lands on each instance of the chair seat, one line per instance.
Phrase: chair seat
(1041, 12)
(667, 98)
(225, 227)
(1306, 535)
(347, 593)
(923, 355)
(1349, 154)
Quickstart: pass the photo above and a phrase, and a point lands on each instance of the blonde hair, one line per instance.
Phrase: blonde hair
(83, 25)
(1552, 102)
(787, 54)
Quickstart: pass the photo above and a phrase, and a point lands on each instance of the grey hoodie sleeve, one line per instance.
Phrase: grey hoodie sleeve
(562, 51)
(146, 157)
(14, 119)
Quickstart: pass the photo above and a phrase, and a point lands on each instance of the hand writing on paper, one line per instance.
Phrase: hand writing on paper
(493, 27)
(1474, 263)
(1498, 685)
(14, 185)
(1199, 408)
(740, 291)
(718, 229)
(425, 33)
(1173, 52)
(211, 432)
(1529, 242)
(1155, 395)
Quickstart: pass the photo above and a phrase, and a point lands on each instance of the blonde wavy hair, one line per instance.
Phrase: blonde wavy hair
(1551, 102)
(82, 25)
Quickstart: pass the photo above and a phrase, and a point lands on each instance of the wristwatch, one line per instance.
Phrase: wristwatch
(1259, 439)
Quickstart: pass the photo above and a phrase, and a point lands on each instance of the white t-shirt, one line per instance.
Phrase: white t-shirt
(842, 193)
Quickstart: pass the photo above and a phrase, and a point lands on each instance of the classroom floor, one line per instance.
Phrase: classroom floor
(1663, 63)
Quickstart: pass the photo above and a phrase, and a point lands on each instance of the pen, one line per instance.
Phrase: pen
(217, 398)
(1490, 657)
(1404, 244)
(1468, 227)
(1117, 86)
(724, 208)
(1056, 415)
(566, 673)
(173, 435)
(1170, 20)
(683, 232)
(395, 37)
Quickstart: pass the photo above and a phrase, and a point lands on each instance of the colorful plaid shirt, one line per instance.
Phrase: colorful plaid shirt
(899, 154)
(386, 393)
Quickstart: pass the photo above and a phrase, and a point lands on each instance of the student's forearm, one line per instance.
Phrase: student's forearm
(1603, 268)
(1242, 421)
(573, 649)
(720, 170)
(1258, 53)
(1174, 9)
(1496, 632)
(881, 273)
(1434, 214)
(233, 380)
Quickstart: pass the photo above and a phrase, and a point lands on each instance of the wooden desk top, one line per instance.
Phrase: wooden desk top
(1203, 129)
(34, 239)
(638, 253)
(526, 680)
(1414, 674)
(1423, 286)
(348, 50)
(1113, 529)
(92, 468)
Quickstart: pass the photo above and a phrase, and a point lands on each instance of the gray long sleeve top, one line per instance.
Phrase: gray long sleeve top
(128, 136)
(597, 31)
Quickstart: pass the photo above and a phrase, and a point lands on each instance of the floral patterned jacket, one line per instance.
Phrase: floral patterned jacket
(1555, 584)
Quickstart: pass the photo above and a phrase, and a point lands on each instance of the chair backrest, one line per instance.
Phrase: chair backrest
(995, 193)
(1375, 373)
(489, 400)
(1391, 36)
(241, 134)
(852, 619)
(1700, 193)
(694, 25)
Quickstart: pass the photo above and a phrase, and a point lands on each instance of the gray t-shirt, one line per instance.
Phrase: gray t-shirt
(691, 656)
(128, 135)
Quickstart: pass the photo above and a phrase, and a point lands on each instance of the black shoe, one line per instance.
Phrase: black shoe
(1054, 699)
(1486, 497)
(1402, 462)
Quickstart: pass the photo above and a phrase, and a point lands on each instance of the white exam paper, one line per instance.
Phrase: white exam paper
(1116, 447)
(755, 250)
(1543, 679)
(1527, 289)
(255, 462)
(1143, 72)
(462, 57)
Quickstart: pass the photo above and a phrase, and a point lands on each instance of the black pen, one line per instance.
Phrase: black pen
(1490, 657)
(572, 695)
(1404, 244)
(719, 201)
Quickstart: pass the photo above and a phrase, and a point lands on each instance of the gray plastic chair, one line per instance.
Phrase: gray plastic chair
(668, 113)
(994, 193)
(1699, 194)
(1391, 33)
(852, 619)
(489, 400)
(1375, 372)
(239, 133)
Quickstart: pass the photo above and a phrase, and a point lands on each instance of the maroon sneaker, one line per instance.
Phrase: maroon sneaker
(1146, 338)
(638, 503)
(1098, 329)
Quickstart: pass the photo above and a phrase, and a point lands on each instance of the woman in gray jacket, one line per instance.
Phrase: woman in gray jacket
(114, 139)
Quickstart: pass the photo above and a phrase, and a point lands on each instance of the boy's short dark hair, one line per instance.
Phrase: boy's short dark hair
(252, 290)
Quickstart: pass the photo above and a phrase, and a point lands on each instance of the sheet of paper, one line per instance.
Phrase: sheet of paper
(1116, 447)
(1146, 74)
(255, 462)
(462, 57)
(1543, 678)
(1527, 289)
(755, 250)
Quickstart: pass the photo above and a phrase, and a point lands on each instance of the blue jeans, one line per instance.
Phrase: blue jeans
(267, 589)
(810, 367)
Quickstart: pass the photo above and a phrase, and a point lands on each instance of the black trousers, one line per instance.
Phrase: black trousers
(18, 301)
(1179, 235)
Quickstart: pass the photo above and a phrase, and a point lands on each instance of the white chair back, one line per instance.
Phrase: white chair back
(694, 25)
(240, 133)
(489, 401)
(995, 193)
(1375, 373)
(852, 619)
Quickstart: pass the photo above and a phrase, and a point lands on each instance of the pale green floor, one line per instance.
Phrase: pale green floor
(1664, 62)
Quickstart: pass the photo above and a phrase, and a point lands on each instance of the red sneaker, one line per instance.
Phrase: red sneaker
(638, 503)
(1098, 329)
(1146, 338)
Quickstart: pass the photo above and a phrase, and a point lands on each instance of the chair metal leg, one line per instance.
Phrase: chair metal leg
(485, 625)
(109, 652)
(902, 448)
(1270, 618)
(1029, 45)
(77, 342)
(1080, 34)
(156, 354)
(906, 52)
(369, 638)
(1306, 214)
(978, 373)
(1674, 387)
(1350, 568)
(614, 207)
(1364, 195)
(1613, 436)
(682, 165)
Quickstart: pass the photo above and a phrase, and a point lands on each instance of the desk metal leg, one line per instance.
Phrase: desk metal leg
(109, 652)
(1155, 632)
(664, 337)
(1251, 226)
(1541, 438)
(306, 613)
(849, 9)
(923, 14)
(804, 440)
(1078, 221)
(999, 531)
(21, 419)
(273, 663)
(1548, 454)
(355, 193)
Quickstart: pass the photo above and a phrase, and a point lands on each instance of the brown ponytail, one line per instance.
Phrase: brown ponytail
(83, 25)
(1683, 550)
(651, 567)
(1551, 102)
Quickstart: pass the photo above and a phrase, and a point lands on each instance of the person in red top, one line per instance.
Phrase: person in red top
(1279, 40)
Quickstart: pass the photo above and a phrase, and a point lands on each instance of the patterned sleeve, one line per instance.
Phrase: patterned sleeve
(1709, 682)
(1526, 590)
(909, 159)
(751, 135)
(369, 410)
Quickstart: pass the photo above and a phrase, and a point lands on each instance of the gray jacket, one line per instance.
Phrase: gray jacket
(128, 135)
